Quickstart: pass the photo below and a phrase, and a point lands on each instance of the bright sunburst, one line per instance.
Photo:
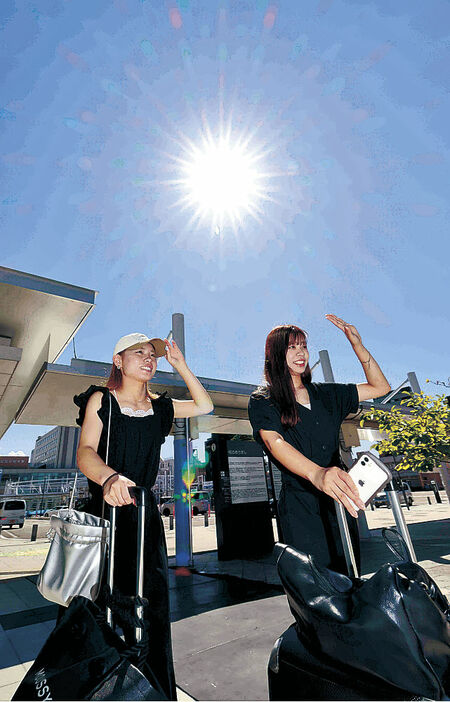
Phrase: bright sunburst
(222, 181)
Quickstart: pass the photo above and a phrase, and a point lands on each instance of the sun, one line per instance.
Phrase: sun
(222, 181)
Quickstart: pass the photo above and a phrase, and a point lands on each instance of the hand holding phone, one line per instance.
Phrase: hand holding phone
(369, 475)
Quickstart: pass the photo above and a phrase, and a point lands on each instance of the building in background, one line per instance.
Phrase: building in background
(164, 480)
(43, 488)
(57, 448)
(200, 468)
(13, 462)
(164, 484)
(416, 480)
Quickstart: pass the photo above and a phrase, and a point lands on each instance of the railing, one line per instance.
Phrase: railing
(46, 487)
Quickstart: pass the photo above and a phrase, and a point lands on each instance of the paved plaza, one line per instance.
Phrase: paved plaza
(226, 615)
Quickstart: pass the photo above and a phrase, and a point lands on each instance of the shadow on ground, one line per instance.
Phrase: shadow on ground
(431, 541)
(194, 594)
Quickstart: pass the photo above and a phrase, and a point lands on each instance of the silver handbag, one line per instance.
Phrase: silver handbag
(76, 557)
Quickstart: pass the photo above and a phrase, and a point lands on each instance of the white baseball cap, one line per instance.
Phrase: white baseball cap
(136, 339)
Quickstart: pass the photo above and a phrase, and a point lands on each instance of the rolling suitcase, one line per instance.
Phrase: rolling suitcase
(299, 669)
(84, 658)
(295, 673)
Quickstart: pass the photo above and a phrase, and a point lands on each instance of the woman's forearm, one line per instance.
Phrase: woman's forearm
(292, 459)
(375, 377)
(333, 481)
(92, 466)
(372, 370)
(198, 392)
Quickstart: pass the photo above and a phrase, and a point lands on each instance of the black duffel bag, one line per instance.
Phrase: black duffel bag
(84, 659)
(394, 625)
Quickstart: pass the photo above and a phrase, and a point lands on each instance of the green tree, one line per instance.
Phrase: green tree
(420, 435)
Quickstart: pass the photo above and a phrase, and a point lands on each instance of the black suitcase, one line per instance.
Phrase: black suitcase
(84, 658)
(295, 672)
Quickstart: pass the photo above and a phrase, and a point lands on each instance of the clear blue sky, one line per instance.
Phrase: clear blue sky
(348, 101)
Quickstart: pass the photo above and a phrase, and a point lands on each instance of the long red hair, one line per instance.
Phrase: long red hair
(115, 379)
(276, 371)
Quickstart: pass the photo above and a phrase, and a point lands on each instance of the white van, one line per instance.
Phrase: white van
(12, 511)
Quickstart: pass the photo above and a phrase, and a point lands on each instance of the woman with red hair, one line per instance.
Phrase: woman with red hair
(298, 422)
(139, 421)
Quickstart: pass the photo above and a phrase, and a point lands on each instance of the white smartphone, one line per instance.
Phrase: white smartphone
(370, 475)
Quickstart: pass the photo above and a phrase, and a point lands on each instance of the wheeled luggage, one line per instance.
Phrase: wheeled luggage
(384, 638)
(84, 658)
(295, 673)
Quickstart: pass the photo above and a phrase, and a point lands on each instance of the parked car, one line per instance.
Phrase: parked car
(200, 503)
(34, 513)
(12, 512)
(381, 500)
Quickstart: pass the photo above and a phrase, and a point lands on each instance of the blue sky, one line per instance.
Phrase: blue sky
(347, 102)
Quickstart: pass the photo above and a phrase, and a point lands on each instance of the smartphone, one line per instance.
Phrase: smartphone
(369, 475)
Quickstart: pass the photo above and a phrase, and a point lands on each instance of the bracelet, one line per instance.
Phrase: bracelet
(368, 361)
(108, 479)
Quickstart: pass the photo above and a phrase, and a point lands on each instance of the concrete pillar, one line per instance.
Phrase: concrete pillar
(178, 333)
(327, 370)
(413, 382)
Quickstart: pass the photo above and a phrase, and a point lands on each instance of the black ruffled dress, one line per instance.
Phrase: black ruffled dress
(134, 451)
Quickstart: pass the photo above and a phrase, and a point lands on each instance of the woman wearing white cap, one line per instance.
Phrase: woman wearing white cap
(140, 421)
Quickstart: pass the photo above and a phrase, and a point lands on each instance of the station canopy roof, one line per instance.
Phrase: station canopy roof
(51, 399)
(55, 385)
(39, 317)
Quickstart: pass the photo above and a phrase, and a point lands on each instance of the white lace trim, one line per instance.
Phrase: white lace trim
(136, 413)
(130, 412)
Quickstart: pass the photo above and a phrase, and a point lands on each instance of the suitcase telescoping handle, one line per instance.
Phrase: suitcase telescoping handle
(399, 521)
(347, 545)
(140, 495)
(271, 492)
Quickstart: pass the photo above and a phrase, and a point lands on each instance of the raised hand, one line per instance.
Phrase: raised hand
(349, 330)
(174, 355)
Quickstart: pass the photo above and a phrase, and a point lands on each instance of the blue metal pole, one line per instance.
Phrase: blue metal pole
(183, 540)
(181, 494)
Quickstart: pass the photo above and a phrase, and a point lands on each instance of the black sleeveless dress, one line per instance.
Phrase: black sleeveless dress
(134, 451)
